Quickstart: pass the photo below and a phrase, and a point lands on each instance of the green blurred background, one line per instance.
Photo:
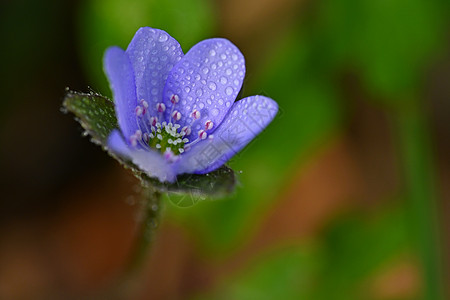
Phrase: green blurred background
(344, 196)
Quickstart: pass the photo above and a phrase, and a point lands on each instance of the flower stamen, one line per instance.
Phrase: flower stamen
(196, 114)
(209, 125)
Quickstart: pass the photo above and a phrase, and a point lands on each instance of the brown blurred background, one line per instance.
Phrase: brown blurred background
(345, 196)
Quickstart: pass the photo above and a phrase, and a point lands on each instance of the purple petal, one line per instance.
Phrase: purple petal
(149, 161)
(153, 53)
(247, 118)
(208, 79)
(120, 74)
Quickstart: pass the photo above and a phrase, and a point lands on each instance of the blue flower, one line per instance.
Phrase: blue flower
(177, 113)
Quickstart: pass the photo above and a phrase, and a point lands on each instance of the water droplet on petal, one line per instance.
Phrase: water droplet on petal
(212, 86)
(215, 112)
(212, 52)
(163, 37)
(229, 90)
(223, 80)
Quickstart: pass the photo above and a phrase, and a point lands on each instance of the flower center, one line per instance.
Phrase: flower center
(165, 137)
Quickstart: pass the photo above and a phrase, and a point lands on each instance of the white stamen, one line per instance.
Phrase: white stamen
(133, 140)
(196, 114)
(144, 103)
(176, 115)
(138, 110)
(138, 134)
(202, 134)
(208, 125)
(160, 107)
(153, 121)
(174, 99)
(186, 130)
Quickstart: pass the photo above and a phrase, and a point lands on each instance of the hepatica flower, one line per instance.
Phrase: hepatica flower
(177, 112)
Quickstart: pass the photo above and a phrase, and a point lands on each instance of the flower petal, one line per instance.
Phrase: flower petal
(149, 161)
(246, 119)
(120, 74)
(208, 79)
(153, 53)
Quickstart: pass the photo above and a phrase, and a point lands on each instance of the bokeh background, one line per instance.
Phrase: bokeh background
(345, 196)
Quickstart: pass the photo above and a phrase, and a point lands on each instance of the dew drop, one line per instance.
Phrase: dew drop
(215, 112)
(201, 105)
(212, 86)
(228, 72)
(212, 52)
(223, 56)
(229, 90)
(187, 89)
(163, 37)
(228, 104)
(223, 80)
(199, 92)
(205, 70)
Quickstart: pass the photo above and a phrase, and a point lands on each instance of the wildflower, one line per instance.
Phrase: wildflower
(177, 113)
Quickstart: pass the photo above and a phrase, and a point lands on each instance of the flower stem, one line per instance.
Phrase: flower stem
(149, 222)
(421, 194)
(129, 281)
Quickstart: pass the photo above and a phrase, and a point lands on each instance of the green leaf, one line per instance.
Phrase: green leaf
(95, 113)
(191, 188)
